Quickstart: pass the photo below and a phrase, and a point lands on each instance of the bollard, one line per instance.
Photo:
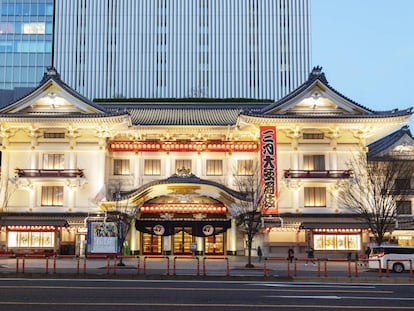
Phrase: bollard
(356, 268)
(17, 264)
(107, 264)
(204, 266)
(145, 265)
(78, 264)
(84, 265)
(47, 265)
(387, 269)
(23, 263)
(288, 268)
(168, 265)
(175, 266)
(295, 267)
(138, 264)
(319, 268)
(379, 268)
(54, 264)
(326, 268)
(115, 264)
(411, 268)
(349, 269)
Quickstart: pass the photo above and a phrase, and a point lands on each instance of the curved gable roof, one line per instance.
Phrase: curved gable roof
(51, 80)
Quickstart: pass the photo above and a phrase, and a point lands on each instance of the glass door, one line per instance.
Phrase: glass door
(214, 245)
(151, 244)
(182, 241)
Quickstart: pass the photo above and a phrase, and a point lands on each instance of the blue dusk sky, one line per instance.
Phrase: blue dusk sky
(366, 49)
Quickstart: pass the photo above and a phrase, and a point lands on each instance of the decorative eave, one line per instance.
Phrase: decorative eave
(401, 138)
(81, 119)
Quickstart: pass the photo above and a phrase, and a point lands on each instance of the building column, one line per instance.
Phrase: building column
(232, 244)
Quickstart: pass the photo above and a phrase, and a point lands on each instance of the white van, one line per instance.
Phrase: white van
(397, 257)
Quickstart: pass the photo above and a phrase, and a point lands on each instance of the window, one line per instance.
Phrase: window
(54, 161)
(337, 242)
(315, 196)
(183, 166)
(214, 168)
(52, 196)
(152, 167)
(53, 135)
(404, 208)
(244, 167)
(121, 167)
(402, 184)
(313, 136)
(314, 162)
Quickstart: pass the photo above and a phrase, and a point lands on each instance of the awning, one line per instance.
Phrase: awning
(201, 228)
(330, 225)
(34, 222)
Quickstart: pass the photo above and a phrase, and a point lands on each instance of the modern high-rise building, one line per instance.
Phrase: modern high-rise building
(25, 42)
(167, 48)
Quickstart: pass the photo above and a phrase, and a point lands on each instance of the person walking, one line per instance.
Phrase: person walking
(311, 256)
(259, 253)
(291, 254)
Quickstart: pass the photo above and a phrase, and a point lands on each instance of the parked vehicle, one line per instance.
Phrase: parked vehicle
(399, 258)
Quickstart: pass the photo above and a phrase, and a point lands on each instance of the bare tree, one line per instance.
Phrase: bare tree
(123, 213)
(375, 190)
(249, 215)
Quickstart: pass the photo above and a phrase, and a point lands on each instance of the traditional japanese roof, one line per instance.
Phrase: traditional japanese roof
(316, 87)
(402, 137)
(184, 113)
(54, 97)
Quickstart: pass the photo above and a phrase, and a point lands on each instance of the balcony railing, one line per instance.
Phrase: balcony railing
(317, 174)
(51, 173)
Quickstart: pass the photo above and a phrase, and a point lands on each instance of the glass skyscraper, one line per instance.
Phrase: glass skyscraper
(159, 48)
(25, 42)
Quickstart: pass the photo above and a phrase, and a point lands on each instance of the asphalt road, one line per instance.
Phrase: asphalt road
(89, 295)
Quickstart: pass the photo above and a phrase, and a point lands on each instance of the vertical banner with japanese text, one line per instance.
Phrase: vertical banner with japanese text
(268, 170)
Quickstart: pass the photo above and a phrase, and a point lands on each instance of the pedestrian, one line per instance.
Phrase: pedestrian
(291, 254)
(311, 256)
(259, 253)
(366, 257)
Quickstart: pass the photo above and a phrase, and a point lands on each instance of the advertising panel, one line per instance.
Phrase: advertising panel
(102, 237)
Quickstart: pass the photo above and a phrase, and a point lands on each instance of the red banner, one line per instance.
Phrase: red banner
(268, 170)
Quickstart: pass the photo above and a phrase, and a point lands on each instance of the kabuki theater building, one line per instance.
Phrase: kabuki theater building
(68, 162)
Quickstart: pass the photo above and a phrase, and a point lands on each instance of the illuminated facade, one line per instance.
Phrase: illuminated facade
(68, 162)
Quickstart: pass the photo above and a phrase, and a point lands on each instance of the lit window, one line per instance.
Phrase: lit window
(337, 242)
(53, 161)
(52, 196)
(34, 28)
(121, 167)
(315, 196)
(214, 167)
(245, 167)
(152, 167)
(314, 162)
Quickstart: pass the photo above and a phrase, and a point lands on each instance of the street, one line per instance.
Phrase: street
(69, 294)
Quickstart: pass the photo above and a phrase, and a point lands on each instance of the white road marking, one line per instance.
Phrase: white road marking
(340, 297)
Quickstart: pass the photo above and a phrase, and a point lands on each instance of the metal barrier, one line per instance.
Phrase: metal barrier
(157, 257)
(186, 257)
(216, 258)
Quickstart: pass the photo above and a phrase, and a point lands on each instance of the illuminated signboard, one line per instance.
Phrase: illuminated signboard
(268, 170)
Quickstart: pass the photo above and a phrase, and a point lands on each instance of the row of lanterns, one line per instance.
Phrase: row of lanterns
(227, 146)
(182, 208)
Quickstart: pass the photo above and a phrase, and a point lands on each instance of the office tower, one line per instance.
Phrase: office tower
(160, 48)
(25, 42)
(176, 48)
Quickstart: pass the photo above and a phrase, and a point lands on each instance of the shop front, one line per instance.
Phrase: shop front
(336, 239)
(25, 236)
